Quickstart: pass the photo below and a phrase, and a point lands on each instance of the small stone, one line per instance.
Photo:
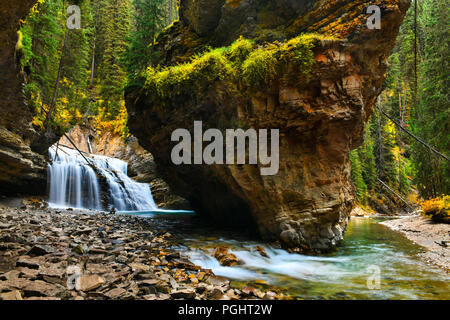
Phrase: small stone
(217, 281)
(270, 295)
(79, 249)
(12, 295)
(225, 258)
(163, 296)
(248, 290)
(27, 263)
(149, 283)
(262, 251)
(215, 294)
(115, 293)
(39, 250)
(90, 282)
(28, 273)
(188, 294)
(13, 274)
(139, 267)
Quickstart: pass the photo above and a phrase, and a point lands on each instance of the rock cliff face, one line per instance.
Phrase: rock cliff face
(307, 204)
(22, 169)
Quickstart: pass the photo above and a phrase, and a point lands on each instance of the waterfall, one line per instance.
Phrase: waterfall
(77, 183)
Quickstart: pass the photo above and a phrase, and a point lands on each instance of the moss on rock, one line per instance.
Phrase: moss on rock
(242, 64)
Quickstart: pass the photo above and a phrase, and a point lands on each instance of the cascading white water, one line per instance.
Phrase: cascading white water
(73, 182)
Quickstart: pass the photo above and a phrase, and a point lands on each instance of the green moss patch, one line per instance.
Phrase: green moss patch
(244, 65)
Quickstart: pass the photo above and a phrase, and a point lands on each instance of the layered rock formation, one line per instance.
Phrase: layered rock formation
(307, 204)
(22, 168)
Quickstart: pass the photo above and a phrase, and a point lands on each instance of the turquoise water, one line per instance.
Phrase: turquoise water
(159, 212)
(369, 249)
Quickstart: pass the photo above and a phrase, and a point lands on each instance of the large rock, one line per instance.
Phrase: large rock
(307, 204)
(22, 169)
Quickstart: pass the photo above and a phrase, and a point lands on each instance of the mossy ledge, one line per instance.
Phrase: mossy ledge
(244, 65)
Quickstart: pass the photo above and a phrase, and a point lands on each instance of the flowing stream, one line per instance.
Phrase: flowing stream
(369, 249)
(94, 182)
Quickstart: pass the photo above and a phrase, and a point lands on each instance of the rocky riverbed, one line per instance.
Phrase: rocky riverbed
(435, 237)
(48, 254)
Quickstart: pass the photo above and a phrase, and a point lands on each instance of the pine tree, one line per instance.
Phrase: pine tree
(150, 18)
(357, 177)
(432, 115)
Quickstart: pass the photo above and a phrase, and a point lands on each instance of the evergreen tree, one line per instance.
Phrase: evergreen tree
(150, 18)
(432, 115)
(357, 177)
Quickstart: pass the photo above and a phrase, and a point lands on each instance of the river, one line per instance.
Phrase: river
(350, 272)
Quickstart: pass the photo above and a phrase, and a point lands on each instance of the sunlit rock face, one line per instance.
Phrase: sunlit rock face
(22, 166)
(306, 205)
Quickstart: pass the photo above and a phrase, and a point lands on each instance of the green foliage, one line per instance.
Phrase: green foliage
(149, 20)
(400, 160)
(260, 68)
(432, 115)
(211, 66)
(357, 177)
(242, 62)
(240, 50)
(367, 157)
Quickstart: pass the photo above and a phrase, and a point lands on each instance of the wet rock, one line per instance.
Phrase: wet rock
(261, 251)
(225, 258)
(184, 263)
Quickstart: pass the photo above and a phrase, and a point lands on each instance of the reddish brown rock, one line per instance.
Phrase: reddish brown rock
(226, 258)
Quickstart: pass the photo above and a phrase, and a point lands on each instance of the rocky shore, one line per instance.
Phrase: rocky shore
(435, 237)
(50, 254)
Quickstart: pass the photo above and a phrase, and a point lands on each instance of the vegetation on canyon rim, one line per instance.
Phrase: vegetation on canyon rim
(114, 46)
(250, 66)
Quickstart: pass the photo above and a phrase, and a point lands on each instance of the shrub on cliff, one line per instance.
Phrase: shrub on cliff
(438, 209)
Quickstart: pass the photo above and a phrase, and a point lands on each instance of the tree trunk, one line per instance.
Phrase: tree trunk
(93, 64)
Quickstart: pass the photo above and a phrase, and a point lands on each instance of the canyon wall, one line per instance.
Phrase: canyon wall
(22, 167)
(306, 205)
